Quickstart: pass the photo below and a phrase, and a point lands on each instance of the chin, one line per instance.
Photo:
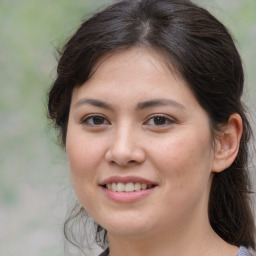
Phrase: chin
(127, 225)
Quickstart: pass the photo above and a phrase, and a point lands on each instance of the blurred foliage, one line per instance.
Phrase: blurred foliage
(33, 170)
(30, 32)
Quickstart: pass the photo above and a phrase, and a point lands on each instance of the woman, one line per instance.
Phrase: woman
(148, 102)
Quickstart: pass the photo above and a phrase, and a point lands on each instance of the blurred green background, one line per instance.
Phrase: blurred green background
(34, 176)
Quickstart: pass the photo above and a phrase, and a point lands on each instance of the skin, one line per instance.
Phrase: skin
(178, 154)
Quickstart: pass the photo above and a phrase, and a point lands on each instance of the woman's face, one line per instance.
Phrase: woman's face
(139, 146)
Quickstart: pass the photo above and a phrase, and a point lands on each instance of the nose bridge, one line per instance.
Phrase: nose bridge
(124, 139)
(125, 148)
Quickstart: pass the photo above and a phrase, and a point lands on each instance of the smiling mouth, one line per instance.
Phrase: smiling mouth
(127, 187)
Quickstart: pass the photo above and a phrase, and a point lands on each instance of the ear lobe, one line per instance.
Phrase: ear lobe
(227, 143)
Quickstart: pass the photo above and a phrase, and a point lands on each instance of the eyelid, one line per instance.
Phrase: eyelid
(85, 119)
(169, 119)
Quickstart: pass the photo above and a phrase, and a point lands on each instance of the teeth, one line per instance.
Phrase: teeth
(114, 187)
(144, 186)
(120, 187)
(128, 187)
(137, 186)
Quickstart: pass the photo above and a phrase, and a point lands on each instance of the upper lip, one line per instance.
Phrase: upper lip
(126, 179)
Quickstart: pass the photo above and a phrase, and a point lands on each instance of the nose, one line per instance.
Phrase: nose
(125, 149)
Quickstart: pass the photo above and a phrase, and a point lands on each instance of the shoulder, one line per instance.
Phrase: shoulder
(245, 252)
(105, 253)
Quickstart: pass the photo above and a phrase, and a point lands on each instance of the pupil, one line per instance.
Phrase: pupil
(159, 120)
(98, 120)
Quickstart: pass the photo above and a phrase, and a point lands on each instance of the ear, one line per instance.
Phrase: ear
(227, 143)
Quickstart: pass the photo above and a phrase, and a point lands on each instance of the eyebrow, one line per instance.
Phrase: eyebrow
(159, 102)
(94, 102)
(140, 105)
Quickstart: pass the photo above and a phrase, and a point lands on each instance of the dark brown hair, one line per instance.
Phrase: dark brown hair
(202, 51)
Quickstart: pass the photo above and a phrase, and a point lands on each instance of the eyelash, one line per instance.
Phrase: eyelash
(167, 120)
(92, 118)
(104, 121)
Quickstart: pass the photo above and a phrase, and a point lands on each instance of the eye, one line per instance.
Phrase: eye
(95, 120)
(159, 120)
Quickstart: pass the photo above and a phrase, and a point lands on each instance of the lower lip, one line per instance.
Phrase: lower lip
(126, 197)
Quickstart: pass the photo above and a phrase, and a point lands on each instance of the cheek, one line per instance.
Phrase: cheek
(185, 168)
(185, 160)
(84, 155)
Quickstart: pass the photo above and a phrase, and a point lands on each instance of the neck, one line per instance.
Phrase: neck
(162, 243)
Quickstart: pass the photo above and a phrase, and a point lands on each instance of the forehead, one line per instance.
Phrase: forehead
(137, 69)
(131, 58)
(132, 76)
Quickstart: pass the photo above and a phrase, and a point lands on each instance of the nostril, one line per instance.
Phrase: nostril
(123, 163)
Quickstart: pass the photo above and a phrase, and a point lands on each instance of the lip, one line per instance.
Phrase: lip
(126, 179)
(127, 197)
